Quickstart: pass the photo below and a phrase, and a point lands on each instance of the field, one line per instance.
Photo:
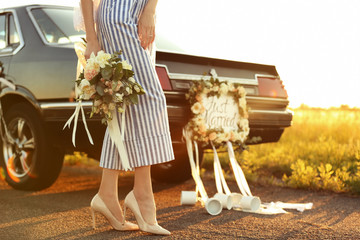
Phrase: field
(320, 151)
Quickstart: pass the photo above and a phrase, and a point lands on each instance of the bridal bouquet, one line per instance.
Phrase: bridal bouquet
(108, 81)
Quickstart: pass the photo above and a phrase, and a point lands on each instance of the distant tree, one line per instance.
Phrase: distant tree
(303, 106)
(344, 107)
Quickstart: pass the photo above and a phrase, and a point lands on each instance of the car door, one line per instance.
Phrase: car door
(10, 39)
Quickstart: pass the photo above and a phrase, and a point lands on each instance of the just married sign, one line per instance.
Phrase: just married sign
(219, 112)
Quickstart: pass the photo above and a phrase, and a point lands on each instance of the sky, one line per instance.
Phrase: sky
(314, 44)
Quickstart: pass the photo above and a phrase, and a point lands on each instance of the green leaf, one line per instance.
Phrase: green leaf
(128, 73)
(108, 98)
(100, 90)
(95, 79)
(107, 72)
(78, 82)
(104, 121)
(118, 74)
(134, 98)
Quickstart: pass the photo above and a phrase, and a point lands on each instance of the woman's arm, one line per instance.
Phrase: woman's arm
(146, 26)
(91, 38)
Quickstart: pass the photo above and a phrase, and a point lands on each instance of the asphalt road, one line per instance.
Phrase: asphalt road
(62, 212)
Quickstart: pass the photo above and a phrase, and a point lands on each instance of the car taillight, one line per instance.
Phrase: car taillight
(164, 78)
(271, 87)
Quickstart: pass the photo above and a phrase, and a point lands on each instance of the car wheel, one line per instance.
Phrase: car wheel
(28, 158)
(175, 171)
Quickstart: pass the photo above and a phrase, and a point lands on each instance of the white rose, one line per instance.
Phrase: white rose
(137, 89)
(131, 79)
(102, 58)
(242, 91)
(196, 108)
(242, 137)
(231, 87)
(215, 88)
(125, 65)
(199, 120)
(97, 102)
(206, 90)
(112, 106)
(119, 97)
(244, 123)
(246, 130)
(128, 90)
(87, 90)
(224, 88)
(208, 84)
(242, 103)
(84, 84)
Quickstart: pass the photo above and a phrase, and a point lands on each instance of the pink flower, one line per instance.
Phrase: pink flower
(202, 128)
(212, 136)
(232, 136)
(108, 83)
(91, 70)
(105, 108)
(198, 97)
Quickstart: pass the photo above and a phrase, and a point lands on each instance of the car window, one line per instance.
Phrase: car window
(2, 32)
(56, 25)
(14, 39)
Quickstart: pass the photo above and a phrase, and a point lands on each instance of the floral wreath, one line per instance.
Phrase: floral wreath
(201, 131)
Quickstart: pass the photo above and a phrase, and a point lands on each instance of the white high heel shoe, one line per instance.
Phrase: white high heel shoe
(130, 202)
(98, 205)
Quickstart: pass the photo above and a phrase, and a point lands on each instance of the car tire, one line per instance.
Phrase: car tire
(175, 171)
(30, 162)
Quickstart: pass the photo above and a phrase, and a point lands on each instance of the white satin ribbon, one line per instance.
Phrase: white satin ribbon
(197, 164)
(239, 174)
(219, 175)
(194, 172)
(76, 116)
(117, 136)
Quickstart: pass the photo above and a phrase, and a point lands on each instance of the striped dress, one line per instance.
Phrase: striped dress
(147, 136)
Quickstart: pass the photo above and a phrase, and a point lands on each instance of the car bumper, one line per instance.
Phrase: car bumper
(267, 117)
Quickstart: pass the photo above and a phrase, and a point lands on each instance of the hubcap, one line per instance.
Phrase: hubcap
(18, 155)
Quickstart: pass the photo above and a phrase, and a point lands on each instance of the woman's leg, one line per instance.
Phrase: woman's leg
(144, 194)
(108, 192)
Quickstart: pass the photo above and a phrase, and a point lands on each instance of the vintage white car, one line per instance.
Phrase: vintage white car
(36, 48)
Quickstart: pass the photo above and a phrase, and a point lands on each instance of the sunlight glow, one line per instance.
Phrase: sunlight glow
(313, 43)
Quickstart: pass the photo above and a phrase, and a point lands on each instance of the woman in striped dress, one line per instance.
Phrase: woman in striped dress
(129, 25)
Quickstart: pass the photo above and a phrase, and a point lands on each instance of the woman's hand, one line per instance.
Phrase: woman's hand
(146, 27)
(92, 47)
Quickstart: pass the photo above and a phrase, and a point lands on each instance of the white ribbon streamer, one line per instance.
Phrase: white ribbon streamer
(219, 175)
(239, 174)
(76, 116)
(197, 165)
(195, 174)
(117, 136)
(265, 208)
